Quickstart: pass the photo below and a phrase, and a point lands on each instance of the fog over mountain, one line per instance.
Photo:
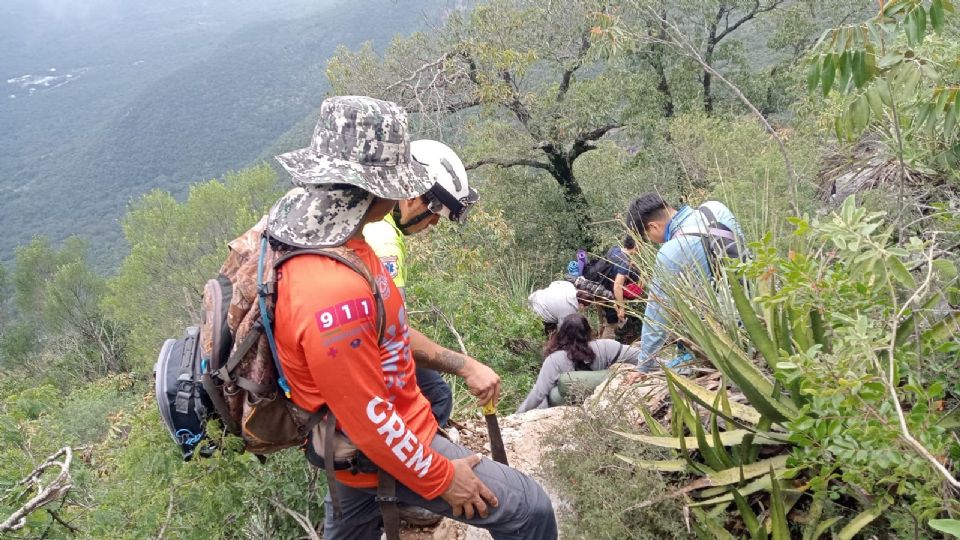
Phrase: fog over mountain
(104, 100)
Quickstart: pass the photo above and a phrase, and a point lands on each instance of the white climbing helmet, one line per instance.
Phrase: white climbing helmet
(450, 195)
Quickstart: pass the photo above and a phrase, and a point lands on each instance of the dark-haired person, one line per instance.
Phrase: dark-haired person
(572, 348)
(625, 278)
(679, 232)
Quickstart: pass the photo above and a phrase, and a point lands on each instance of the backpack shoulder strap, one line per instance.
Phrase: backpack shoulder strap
(349, 258)
(708, 214)
(714, 227)
(616, 358)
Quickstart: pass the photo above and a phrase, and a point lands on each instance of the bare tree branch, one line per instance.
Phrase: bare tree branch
(582, 142)
(429, 65)
(299, 518)
(45, 495)
(757, 9)
(889, 381)
(444, 108)
(568, 73)
(506, 163)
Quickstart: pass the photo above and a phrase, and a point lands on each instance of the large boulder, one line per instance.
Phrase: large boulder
(621, 398)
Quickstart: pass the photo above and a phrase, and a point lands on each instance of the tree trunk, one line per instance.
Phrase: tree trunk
(562, 172)
(663, 86)
(708, 77)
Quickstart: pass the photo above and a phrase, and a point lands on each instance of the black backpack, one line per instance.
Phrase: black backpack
(719, 242)
(599, 270)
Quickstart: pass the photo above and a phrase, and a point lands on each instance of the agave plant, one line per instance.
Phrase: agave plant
(837, 305)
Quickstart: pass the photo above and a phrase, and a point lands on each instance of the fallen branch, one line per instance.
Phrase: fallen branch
(45, 495)
(166, 521)
(891, 383)
(299, 518)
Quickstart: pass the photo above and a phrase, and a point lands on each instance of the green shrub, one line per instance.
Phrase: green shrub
(461, 273)
(603, 492)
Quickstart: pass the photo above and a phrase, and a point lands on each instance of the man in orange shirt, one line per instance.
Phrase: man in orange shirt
(357, 167)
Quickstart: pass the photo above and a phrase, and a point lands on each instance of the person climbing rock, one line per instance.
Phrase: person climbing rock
(555, 301)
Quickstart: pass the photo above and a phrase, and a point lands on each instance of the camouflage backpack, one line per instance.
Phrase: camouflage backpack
(227, 366)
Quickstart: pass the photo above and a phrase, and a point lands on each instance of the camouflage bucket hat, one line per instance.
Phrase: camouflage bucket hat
(363, 142)
(318, 216)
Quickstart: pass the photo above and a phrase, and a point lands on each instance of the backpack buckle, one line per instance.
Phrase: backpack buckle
(267, 290)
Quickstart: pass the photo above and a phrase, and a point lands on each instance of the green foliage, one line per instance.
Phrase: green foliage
(896, 78)
(227, 496)
(175, 247)
(732, 160)
(129, 481)
(603, 495)
(60, 328)
(949, 526)
(883, 345)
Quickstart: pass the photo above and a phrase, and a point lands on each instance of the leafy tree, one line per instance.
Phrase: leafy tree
(897, 79)
(56, 297)
(524, 96)
(175, 247)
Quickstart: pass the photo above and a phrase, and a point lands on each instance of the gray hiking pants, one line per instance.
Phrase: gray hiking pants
(525, 511)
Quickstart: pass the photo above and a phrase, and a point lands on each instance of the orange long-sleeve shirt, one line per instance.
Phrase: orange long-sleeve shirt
(327, 342)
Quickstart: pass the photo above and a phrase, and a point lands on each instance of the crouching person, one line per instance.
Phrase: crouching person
(554, 302)
(344, 344)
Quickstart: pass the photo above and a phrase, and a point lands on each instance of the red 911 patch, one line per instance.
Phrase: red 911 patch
(331, 317)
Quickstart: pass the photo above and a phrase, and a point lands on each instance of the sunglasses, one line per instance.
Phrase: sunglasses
(438, 198)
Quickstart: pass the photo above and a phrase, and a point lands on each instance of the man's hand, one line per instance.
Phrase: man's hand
(467, 494)
(483, 382)
(621, 313)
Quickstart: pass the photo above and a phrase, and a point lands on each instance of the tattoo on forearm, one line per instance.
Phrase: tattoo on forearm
(445, 361)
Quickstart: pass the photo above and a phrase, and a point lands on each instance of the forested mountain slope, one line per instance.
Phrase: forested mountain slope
(104, 103)
(817, 393)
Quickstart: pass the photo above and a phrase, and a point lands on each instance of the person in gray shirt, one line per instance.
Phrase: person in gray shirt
(556, 301)
(571, 349)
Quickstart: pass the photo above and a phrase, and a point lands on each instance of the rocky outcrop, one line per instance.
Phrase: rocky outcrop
(528, 437)
(524, 437)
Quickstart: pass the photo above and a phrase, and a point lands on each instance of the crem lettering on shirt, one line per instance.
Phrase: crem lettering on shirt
(398, 437)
